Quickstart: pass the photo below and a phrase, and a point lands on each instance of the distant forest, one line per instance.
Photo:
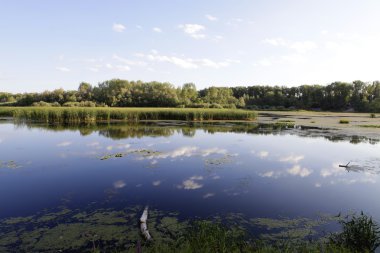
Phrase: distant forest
(338, 96)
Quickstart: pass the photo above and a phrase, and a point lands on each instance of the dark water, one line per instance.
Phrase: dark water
(197, 171)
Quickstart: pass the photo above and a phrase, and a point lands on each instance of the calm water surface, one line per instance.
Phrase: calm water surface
(196, 171)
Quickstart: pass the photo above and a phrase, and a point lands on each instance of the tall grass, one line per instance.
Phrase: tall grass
(74, 115)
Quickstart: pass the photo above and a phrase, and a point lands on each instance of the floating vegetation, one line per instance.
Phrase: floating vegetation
(9, 165)
(109, 230)
(227, 158)
(142, 152)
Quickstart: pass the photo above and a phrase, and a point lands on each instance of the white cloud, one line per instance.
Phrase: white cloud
(156, 183)
(180, 62)
(64, 144)
(109, 66)
(123, 68)
(187, 63)
(303, 46)
(334, 170)
(157, 29)
(193, 30)
(318, 185)
(300, 47)
(296, 170)
(191, 183)
(118, 28)
(196, 178)
(211, 17)
(128, 62)
(324, 32)
(63, 69)
(262, 154)
(275, 42)
(210, 151)
(208, 195)
(268, 174)
(119, 184)
(93, 69)
(93, 144)
(265, 62)
(292, 158)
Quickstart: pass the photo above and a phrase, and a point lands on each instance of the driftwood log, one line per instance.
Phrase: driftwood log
(344, 166)
(143, 225)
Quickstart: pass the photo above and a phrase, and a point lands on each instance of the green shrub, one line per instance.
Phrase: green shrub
(344, 121)
(360, 234)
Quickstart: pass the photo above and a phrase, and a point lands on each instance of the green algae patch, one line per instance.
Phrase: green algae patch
(16, 220)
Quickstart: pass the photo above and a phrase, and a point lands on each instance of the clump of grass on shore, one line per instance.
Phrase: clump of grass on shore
(344, 121)
(370, 126)
(74, 115)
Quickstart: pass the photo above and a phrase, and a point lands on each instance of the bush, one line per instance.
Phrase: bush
(360, 234)
(344, 121)
(373, 115)
(42, 103)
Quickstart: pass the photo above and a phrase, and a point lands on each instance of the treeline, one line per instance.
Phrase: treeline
(337, 96)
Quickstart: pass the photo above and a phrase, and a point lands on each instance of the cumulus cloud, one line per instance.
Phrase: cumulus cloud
(128, 62)
(156, 183)
(297, 170)
(334, 170)
(64, 144)
(268, 174)
(292, 158)
(187, 63)
(211, 17)
(118, 28)
(275, 42)
(264, 62)
(93, 69)
(187, 151)
(261, 154)
(119, 184)
(208, 195)
(157, 30)
(193, 30)
(191, 183)
(63, 69)
(180, 62)
(210, 151)
(301, 47)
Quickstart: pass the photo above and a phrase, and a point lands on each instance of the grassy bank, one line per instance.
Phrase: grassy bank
(85, 114)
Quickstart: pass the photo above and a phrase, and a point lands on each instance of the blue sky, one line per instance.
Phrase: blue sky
(52, 44)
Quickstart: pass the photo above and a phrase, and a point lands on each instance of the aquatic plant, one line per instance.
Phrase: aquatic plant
(91, 114)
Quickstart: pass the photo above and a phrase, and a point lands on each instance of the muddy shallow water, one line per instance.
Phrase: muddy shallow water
(62, 181)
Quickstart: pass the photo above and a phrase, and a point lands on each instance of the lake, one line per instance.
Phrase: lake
(264, 178)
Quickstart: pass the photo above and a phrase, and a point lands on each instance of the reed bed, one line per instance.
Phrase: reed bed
(86, 114)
